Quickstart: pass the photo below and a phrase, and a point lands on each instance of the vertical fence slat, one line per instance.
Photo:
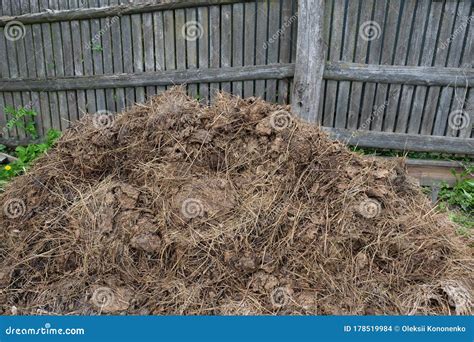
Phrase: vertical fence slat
(360, 55)
(383, 96)
(149, 53)
(203, 19)
(467, 130)
(13, 61)
(261, 17)
(395, 90)
(375, 52)
(78, 64)
(418, 29)
(29, 66)
(237, 43)
(58, 62)
(180, 38)
(334, 54)
(3, 119)
(349, 40)
(117, 57)
(309, 60)
(427, 56)
(191, 47)
(457, 106)
(50, 70)
(249, 44)
(137, 46)
(72, 110)
(454, 49)
(159, 45)
(460, 103)
(226, 42)
(88, 64)
(106, 25)
(127, 55)
(287, 20)
(432, 97)
(214, 43)
(272, 46)
(4, 73)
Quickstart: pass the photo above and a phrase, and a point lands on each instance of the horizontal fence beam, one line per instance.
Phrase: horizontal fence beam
(160, 78)
(415, 75)
(109, 11)
(334, 71)
(400, 141)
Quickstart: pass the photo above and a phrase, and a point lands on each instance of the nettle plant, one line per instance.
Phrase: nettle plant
(22, 118)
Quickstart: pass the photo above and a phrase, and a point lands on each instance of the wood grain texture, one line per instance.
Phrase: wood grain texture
(309, 60)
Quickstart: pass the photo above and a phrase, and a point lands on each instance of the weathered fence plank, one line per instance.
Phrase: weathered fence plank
(249, 44)
(191, 48)
(126, 8)
(168, 77)
(237, 44)
(287, 22)
(226, 42)
(347, 53)
(428, 51)
(427, 76)
(214, 44)
(334, 54)
(203, 19)
(413, 75)
(361, 50)
(400, 57)
(405, 142)
(261, 35)
(309, 60)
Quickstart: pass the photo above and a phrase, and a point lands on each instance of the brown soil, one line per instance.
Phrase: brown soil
(237, 208)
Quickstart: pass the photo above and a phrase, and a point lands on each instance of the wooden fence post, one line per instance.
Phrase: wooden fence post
(309, 59)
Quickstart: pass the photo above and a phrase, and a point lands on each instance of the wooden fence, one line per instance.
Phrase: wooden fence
(378, 73)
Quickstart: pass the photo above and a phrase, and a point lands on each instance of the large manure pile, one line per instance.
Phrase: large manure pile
(172, 207)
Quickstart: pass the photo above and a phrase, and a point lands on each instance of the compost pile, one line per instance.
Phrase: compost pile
(173, 207)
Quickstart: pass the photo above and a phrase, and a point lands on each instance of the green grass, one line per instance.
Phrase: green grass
(460, 199)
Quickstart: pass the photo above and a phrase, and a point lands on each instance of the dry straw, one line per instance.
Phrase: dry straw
(179, 208)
